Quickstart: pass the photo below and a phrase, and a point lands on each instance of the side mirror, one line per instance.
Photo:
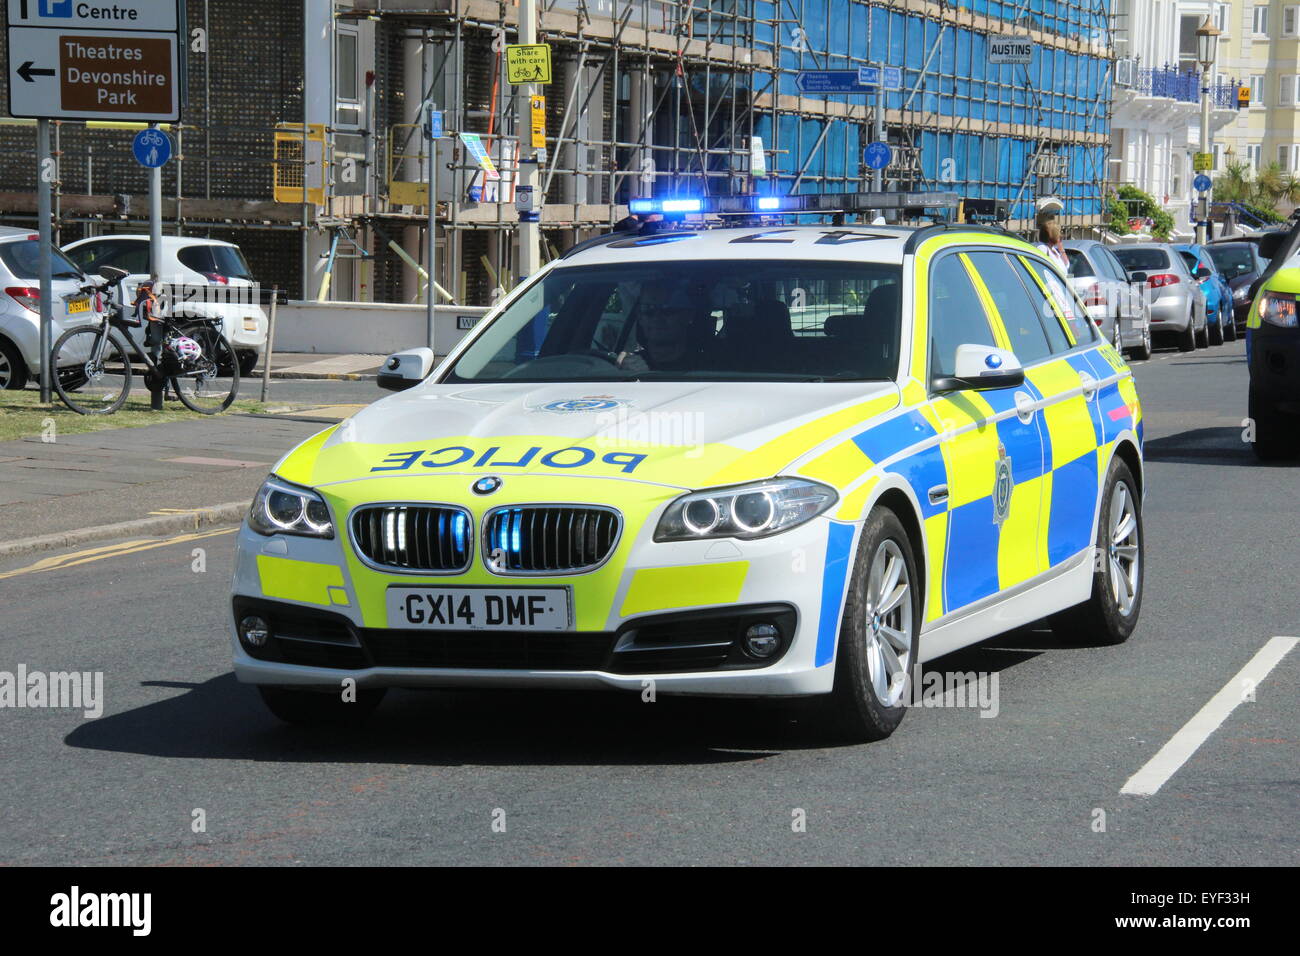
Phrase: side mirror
(1270, 243)
(403, 370)
(981, 367)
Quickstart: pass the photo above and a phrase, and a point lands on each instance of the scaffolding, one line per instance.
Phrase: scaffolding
(648, 98)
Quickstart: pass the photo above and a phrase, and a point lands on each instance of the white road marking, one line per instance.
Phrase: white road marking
(1196, 731)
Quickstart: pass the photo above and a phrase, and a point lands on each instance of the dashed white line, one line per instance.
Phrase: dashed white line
(1196, 731)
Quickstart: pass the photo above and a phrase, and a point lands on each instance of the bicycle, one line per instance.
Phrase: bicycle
(93, 368)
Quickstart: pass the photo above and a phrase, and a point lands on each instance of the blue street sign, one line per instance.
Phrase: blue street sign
(877, 155)
(1202, 183)
(434, 128)
(152, 148)
(887, 77)
(829, 81)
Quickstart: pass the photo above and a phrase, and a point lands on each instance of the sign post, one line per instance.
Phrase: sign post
(45, 173)
(86, 61)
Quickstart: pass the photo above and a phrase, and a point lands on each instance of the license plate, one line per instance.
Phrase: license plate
(478, 609)
(78, 305)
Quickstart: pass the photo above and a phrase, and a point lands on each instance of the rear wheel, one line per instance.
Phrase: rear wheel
(1230, 329)
(209, 383)
(1111, 611)
(247, 363)
(1187, 337)
(326, 708)
(876, 659)
(1142, 352)
(1215, 332)
(92, 374)
(13, 370)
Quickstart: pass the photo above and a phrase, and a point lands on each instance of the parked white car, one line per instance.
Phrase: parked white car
(20, 304)
(200, 278)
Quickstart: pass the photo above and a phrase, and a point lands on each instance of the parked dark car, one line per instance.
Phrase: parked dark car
(1241, 264)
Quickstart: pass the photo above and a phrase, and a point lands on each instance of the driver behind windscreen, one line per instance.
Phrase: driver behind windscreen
(671, 329)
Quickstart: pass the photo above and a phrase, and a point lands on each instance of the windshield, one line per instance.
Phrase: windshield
(23, 259)
(1233, 261)
(1142, 260)
(755, 320)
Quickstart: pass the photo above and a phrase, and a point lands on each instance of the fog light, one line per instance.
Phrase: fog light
(762, 640)
(254, 631)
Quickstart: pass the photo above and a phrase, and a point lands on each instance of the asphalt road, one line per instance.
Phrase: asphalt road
(597, 778)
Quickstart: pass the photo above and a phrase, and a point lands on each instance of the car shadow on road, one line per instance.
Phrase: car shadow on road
(221, 719)
(1201, 446)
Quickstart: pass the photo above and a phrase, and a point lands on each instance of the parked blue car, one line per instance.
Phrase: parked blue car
(1220, 324)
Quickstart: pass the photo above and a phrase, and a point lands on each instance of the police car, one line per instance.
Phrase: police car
(1273, 348)
(740, 461)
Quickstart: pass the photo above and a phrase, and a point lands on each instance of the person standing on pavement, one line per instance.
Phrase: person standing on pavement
(1050, 244)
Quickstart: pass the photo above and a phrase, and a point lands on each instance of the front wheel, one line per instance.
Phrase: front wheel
(207, 384)
(91, 372)
(1111, 611)
(1275, 437)
(876, 660)
(1143, 352)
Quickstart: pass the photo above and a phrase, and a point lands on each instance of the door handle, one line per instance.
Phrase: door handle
(1089, 386)
(938, 494)
(1025, 407)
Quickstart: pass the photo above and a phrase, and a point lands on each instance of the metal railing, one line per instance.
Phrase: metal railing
(1183, 86)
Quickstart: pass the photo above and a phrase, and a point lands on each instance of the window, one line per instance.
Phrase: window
(225, 261)
(1187, 44)
(129, 254)
(1018, 311)
(1288, 157)
(1286, 89)
(1056, 338)
(1068, 308)
(1218, 156)
(696, 320)
(1221, 18)
(1256, 91)
(1080, 267)
(1259, 25)
(1290, 21)
(23, 259)
(347, 78)
(956, 317)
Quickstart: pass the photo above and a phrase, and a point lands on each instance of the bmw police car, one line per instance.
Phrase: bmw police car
(739, 461)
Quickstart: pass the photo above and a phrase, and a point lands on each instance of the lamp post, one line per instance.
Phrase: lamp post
(1207, 39)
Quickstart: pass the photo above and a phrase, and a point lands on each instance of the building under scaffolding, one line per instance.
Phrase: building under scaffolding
(648, 98)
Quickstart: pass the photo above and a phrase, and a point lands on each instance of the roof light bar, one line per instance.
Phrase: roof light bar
(802, 203)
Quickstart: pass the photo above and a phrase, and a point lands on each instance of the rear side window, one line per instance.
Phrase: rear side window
(1068, 308)
(224, 261)
(1056, 336)
(1080, 267)
(1018, 311)
(1143, 260)
(956, 315)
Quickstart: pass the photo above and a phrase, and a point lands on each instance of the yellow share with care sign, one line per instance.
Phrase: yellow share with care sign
(528, 63)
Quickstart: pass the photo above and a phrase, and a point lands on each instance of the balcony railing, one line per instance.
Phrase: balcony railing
(1185, 87)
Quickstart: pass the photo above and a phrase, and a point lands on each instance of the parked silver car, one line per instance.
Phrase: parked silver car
(1116, 305)
(1174, 297)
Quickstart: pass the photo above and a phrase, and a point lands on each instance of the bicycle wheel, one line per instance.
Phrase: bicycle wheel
(209, 383)
(91, 371)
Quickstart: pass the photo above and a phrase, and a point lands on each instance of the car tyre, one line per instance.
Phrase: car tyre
(1215, 333)
(1230, 330)
(1187, 337)
(247, 363)
(1142, 352)
(13, 370)
(876, 661)
(1275, 432)
(317, 708)
(1110, 614)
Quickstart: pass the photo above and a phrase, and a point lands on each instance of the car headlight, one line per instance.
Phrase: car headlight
(1241, 293)
(282, 508)
(1278, 309)
(754, 510)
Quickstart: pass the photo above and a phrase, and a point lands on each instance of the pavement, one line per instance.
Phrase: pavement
(311, 365)
(585, 778)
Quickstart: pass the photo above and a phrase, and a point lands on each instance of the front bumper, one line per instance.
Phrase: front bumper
(1274, 357)
(671, 613)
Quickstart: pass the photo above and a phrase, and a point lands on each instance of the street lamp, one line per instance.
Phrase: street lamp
(1207, 39)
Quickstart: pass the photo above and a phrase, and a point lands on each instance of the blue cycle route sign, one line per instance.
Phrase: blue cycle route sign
(152, 148)
(830, 81)
(877, 155)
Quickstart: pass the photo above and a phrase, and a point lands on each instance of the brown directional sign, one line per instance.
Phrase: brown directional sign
(74, 61)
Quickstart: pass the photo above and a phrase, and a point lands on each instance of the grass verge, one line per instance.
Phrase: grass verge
(22, 415)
